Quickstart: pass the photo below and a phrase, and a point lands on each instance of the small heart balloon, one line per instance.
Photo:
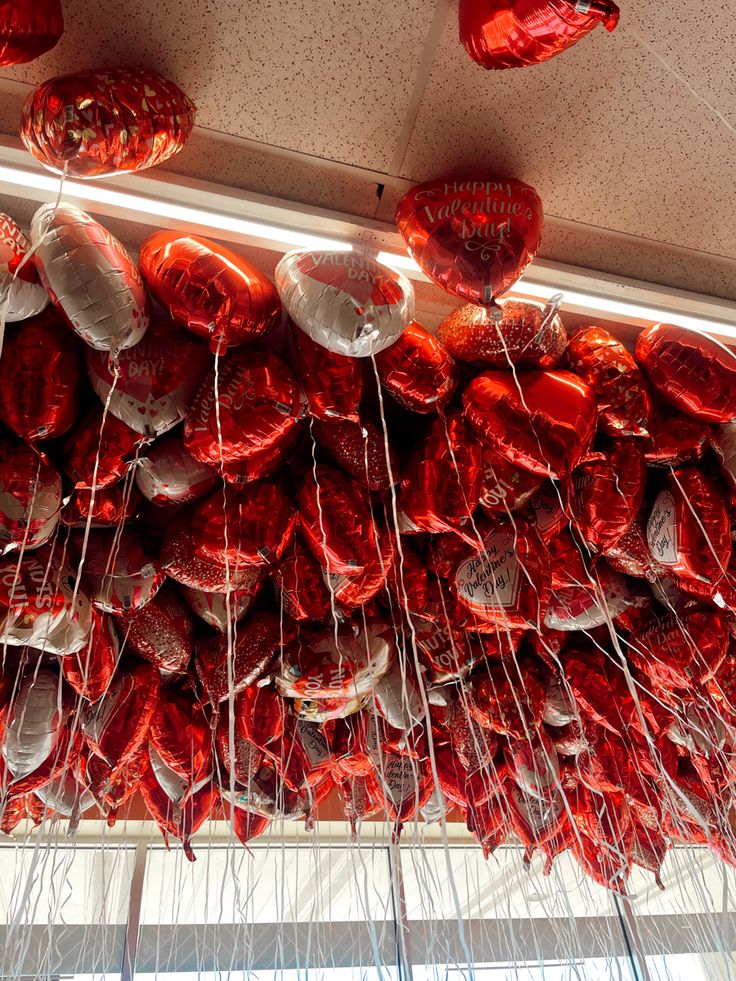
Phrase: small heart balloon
(91, 278)
(101, 507)
(220, 609)
(30, 497)
(117, 725)
(506, 487)
(244, 405)
(360, 449)
(606, 492)
(118, 570)
(515, 33)
(332, 382)
(90, 670)
(182, 563)
(98, 453)
(417, 370)
(474, 238)
(168, 475)
(92, 124)
(689, 530)
(527, 335)
(674, 438)
(543, 421)
(28, 29)
(298, 579)
(209, 289)
(691, 370)
(225, 669)
(40, 378)
(21, 294)
(624, 405)
(150, 386)
(348, 303)
(162, 632)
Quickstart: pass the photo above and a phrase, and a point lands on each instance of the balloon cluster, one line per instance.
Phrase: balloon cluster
(489, 570)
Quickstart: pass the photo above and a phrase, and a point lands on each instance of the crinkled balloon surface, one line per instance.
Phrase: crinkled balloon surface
(527, 335)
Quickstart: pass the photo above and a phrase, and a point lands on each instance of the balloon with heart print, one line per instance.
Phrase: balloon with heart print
(21, 293)
(474, 238)
(28, 29)
(220, 609)
(604, 364)
(93, 124)
(514, 33)
(543, 421)
(30, 496)
(691, 370)
(527, 334)
(348, 303)
(213, 291)
(40, 378)
(151, 386)
(360, 448)
(689, 530)
(417, 370)
(92, 280)
(245, 405)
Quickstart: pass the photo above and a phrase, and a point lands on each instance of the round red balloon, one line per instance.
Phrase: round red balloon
(474, 238)
(515, 33)
(96, 123)
(209, 289)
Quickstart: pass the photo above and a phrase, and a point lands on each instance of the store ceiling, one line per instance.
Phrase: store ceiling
(320, 102)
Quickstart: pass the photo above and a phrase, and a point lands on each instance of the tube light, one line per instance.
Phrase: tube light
(590, 302)
(155, 207)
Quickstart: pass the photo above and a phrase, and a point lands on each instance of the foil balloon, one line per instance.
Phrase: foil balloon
(119, 571)
(300, 584)
(692, 371)
(100, 508)
(417, 370)
(515, 33)
(21, 294)
(150, 386)
(223, 671)
(507, 580)
(163, 792)
(506, 487)
(678, 650)
(688, 530)
(33, 729)
(332, 383)
(607, 492)
(589, 605)
(527, 335)
(360, 449)
(249, 405)
(92, 124)
(162, 632)
(543, 421)
(348, 303)
(214, 292)
(182, 736)
(264, 462)
(98, 453)
(91, 278)
(675, 439)
(724, 443)
(181, 562)
(252, 526)
(474, 238)
(168, 475)
(604, 364)
(30, 497)
(220, 609)
(90, 670)
(443, 482)
(28, 29)
(117, 725)
(39, 379)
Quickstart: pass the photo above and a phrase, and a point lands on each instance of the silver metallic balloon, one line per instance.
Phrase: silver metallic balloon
(169, 475)
(348, 303)
(90, 277)
(20, 296)
(33, 724)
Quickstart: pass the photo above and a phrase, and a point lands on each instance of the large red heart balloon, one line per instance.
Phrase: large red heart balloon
(98, 123)
(527, 335)
(691, 370)
(246, 403)
(209, 289)
(543, 421)
(226, 668)
(624, 406)
(474, 238)
(28, 29)
(515, 33)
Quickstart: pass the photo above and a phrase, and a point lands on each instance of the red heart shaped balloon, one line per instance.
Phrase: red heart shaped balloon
(606, 491)
(474, 238)
(417, 370)
(543, 421)
(515, 33)
(691, 370)
(332, 382)
(162, 632)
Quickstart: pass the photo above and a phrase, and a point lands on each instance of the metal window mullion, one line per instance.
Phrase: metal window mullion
(130, 944)
(632, 937)
(398, 897)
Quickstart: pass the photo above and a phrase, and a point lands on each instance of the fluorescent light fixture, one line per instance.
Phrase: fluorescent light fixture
(158, 208)
(589, 301)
